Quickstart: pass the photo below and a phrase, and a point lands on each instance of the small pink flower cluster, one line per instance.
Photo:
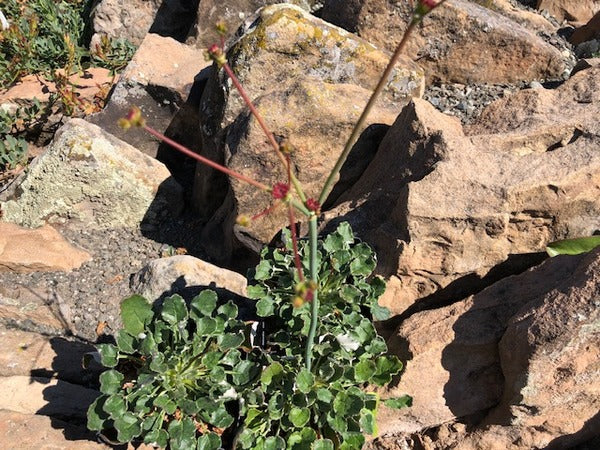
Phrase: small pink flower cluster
(429, 3)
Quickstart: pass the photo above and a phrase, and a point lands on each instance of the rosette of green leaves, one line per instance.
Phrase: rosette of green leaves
(174, 372)
(327, 407)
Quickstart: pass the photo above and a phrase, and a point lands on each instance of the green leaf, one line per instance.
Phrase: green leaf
(229, 310)
(271, 372)
(323, 444)
(352, 441)
(108, 354)
(364, 370)
(398, 402)
(110, 382)
(387, 366)
(206, 326)
(379, 312)
(244, 372)
(299, 416)
(324, 395)
(209, 441)
(347, 404)
(182, 434)
(246, 438)
(136, 312)
(367, 422)
(203, 304)
(573, 246)
(276, 407)
(163, 401)
(174, 310)
(230, 340)
(159, 437)
(126, 342)
(115, 405)
(302, 440)
(263, 270)
(96, 416)
(221, 418)
(305, 381)
(265, 307)
(256, 291)
(128, 426)
(274, 443)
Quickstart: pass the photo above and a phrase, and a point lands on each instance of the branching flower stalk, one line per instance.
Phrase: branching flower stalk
(307, 290)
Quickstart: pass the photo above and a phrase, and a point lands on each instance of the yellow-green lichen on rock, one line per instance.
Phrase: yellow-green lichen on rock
(89, 177)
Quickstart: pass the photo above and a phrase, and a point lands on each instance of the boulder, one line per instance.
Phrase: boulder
(232, 13)
(525, 17)
(449, 212)
(587, 32)
(88, 178)
(337, 69)
(527, 347)
(161, 87)
(33, 432)
(460, 42)
(42, 249)
(45, 396)
(179, 274)
(580, 11)
(128, 19)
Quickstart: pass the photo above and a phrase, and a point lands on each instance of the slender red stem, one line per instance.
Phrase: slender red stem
(269, 210)
(204, 160)
(263, 125)
(297, 261)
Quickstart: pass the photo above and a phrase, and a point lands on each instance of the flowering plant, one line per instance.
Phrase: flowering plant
(317, 298)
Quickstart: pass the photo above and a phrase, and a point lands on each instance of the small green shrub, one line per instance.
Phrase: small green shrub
(13, 124)
(175, 373)
(181, 375)
(46, 35)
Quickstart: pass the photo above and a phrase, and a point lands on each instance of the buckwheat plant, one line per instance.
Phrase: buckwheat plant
(307, 385)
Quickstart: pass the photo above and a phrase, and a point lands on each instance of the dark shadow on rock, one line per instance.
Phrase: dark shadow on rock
(67, 400)
(175, 19)
(358, 160)
(588, 437)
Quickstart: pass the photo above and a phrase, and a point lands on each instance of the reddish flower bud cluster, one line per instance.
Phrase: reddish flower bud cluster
(132, 119)
(216, 54)
(429, 3)
(280, 191)
(313, 205)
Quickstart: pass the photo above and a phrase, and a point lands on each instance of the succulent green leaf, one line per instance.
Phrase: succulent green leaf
(270, 372)
(203, 304)
(164, 402)
(276, 406)
(265, 307)
(209, 441)
(352, 441)
(136, 312)
(221, 418)
(379, 312)
(263, 270)
(157, 436)
(229, 310)
(573, 246)
(324, 395)
(128, 426)
(183, 434)
(174, 310)
(126, 342)
(323, 444)
(96, 416)
(399, 402)
(230, 340)
(367, 422)
(108, 354)
(302, 440)
(256, 291)
(246, 438)
(305, 381)
(115, 405)
(299, 416)
(244, 372)
(206, 326)
(274, 443)
(387, 366)
(110, 382)
(364, 370)
(347, 404)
